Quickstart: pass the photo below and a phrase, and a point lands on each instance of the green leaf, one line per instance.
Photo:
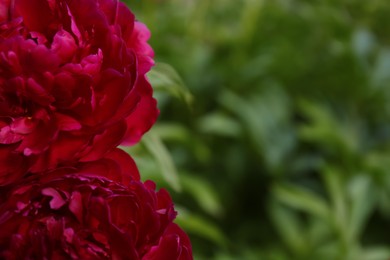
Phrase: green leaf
(363, 201)
(219, 124)
(172, 132)
(200, 226)
(302, 199)
(265, 119)
(327, 130)
(288, 226)
(177, 133)
(376, 253)
(336, 191)
(249, 20)
(164, 159)
(203, 193)
(165, 78)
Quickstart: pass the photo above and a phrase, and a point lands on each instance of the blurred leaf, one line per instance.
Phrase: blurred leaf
(302, 199)
(352, 202)
(289, 228)
(329, 250)
(219, 124)
(325, 129)
(172, 132)
(333, 180)
(378, 163)
(264, 118)
(287, 91)
(200, 226)
(165, 78)
(156, 147)
(249, 20)
(381, 73)
(203, 193)
(363, 43)
(377, 253)
(362, 197)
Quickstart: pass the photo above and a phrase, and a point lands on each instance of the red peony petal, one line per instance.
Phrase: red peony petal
(4, 10)
(174, 244)
(23, 125)
(168, 248)
(64, 45)
(12, 166)
(73, 83)
(138, 41)
(57, 201)
(36, 13)
(8, 136)
(39, 140)
(144, 115)
(76, 205)
(77, 216)
(102, 143)
(64, 149)
(37, 93)
(126, 165)
(67, 123)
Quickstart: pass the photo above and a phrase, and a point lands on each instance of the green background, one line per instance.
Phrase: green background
(274, 133)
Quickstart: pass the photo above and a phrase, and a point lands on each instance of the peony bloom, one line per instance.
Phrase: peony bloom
(72, 83)
(79, 213)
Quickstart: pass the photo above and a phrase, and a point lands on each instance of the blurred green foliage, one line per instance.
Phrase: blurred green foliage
(279, 144)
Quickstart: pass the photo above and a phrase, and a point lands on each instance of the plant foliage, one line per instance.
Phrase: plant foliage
(282, 149)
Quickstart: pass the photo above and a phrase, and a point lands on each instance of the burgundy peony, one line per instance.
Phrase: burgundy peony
(72, 83)
(79, 213)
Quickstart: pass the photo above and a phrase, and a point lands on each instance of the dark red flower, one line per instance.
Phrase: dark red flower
(79, 213)
(72, 82)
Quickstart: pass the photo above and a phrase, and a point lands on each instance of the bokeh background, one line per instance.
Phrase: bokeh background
(274, 133)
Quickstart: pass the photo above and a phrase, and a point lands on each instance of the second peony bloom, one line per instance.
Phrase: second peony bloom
(72, 83)
(97, 210)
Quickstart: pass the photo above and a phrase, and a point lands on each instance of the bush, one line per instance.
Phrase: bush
(283, 146)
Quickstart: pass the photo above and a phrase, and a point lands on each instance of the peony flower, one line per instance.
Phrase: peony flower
(72, 83)
(79, 213)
